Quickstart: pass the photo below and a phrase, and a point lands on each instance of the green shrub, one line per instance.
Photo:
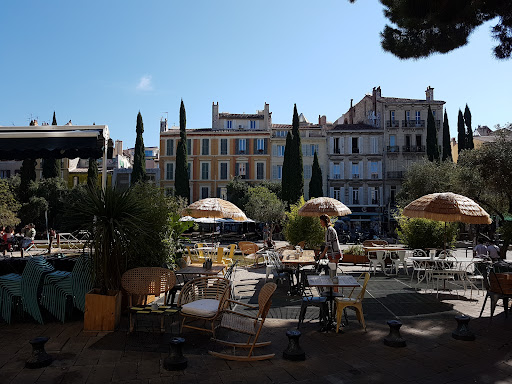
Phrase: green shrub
(357, 250)
(424, 233)
(299, 228)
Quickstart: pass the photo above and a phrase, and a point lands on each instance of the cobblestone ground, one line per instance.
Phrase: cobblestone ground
(353, 356)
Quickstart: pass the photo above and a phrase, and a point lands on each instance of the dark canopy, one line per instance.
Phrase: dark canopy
(53, 141)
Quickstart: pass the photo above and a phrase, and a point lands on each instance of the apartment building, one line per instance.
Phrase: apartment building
(313, 139)
(236, 145)
(355, 156)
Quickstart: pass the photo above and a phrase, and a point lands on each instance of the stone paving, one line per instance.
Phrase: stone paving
(353, 356)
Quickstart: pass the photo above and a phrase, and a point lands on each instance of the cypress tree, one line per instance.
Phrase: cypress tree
(181, 181)
(139, 159)
(51, 166)
(461, 136)
(447, 148)
(315, 184)
(432, 146)
(27, 174)
(297, 181)
(287, 170)
(469, 133)
(92, 173)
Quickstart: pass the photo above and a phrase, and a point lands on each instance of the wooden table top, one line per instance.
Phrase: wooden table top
(385, 248)
(326, 281)
(197, 269)
(307, 258)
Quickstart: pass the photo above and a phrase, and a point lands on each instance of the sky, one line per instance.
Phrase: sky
(104, 61)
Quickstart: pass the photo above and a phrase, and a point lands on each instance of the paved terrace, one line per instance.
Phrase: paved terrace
(431, 355)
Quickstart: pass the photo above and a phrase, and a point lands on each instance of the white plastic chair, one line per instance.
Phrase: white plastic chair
(377, 258)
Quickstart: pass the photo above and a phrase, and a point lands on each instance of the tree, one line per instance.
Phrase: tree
(286, 176)
(92, 173)
(298, 169)
(9, 206)
(237, 190)
(51, 166)
(469, 134)
(432, 146)
(447, 148)
(461, 137)
(181, 182)
(303, 228)
(139, 159)
(264, 206)
(315, 184)
(428, 27)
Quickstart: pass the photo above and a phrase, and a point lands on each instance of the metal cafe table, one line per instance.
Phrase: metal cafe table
(292, 259)
(324, 281)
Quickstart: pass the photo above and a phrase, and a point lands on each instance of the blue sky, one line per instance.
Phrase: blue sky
(103, 61)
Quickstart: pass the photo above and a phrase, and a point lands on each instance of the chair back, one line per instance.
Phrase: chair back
(248, 247)
(230, 270)
(301, 244)
(366, 277)
(401, 255)
(393, 255)
(265, 299)
(419, 253)
(208, 287)
(148, 281)
(232, 248)
(220, 255)
(31, 279)
(81, 280)
(198, 247)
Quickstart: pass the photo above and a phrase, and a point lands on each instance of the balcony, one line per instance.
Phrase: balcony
(392, 123)
(355, 177)
(375, 176)
(240, 152)
(375, 202)
(355, 201)
(336, 177)
(394, 174)
(413, 123)
(336, 151)
(413, 148)
(355, 150)
(393, 149)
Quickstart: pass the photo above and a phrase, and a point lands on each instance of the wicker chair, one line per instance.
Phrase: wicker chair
(249, 249)
(248, 325)
(203, 299)
(146, 281)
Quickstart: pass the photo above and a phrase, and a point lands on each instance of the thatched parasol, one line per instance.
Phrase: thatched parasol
(215, 208)
(447, 207)
(324, 205)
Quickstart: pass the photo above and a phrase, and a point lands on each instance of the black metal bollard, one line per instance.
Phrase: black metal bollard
(176, 361)
(294, 352)
(394, 339)
(39, 358)
(462, 332)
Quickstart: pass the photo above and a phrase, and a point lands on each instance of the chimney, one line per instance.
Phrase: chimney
(266, 116)
(376, 95)
(163, 125)
(351, 111)
(119, 147)
(35, 123)
(429, 93)
(322, 120)
(215, 115)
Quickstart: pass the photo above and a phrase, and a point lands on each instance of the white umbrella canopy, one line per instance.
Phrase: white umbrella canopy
(324, 205)
(447, 207)
(215, 208)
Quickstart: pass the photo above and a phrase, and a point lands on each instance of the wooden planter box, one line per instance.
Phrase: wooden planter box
(102, 312)
(356, 259)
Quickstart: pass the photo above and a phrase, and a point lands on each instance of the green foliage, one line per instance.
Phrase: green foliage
(237, 190)
(299, 228)
(274, 187)
(469, 134)
(181, 177)
(357, 250)
(264, 206)
(9, 206)
(447, 148)
(286, 177)
(424, 233)
(461, 133)
(139, 158)
(293, 173)
(316, 183)
(33, 212)
(92, 173)
(51, 168)
(432, 146)
(27, 175)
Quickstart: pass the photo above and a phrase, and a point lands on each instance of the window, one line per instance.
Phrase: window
(5, 174)
(241, 168)
(148, 153)
(189, 170)
(205, 171)
(407, 115)
(307, 171)
(169, 149)
(242, 145)
(374, 145)
(76, 180)
(314, 149)
(253, 124)
(260, 171)
(392, 142)
(374, 169)
(355, 196)
(336, 145)
(223, 171)
(418, 115)
(260, 145)
(229, 124)
(223, 146)
(169, 171)
(434, 113)
(392, 115)
(374, 195)
(337, 194)
(277, 172)
(336, 174)
(280, 150)
(205, 147)
(355, 170)
(205, 192)
(392, 194)
(223, 193)
(189, 147)
(355, 145)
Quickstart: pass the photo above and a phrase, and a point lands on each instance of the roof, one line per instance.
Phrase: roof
(289, 126)
(240, 116)
(400, 100)
(355, 127)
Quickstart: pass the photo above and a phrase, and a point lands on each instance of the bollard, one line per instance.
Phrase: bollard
(39, 358)
(462, 332)
(394, 339)
(176, 361)
(294, 352)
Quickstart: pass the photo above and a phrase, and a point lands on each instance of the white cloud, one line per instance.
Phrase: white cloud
(145, 83)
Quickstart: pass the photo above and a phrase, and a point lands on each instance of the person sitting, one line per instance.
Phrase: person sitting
(493, 251)
(29, 233)
(480, 250)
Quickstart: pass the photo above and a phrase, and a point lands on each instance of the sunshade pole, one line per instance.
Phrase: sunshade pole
(104, 168)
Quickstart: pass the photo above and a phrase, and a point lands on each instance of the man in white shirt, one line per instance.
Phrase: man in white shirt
(480, 250)
(493, 251)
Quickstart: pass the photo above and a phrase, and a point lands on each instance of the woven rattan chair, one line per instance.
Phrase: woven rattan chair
(248, 325)
(146, 281)
(203, 299)
(249, 249)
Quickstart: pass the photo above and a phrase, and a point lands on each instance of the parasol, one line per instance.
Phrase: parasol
(215, 208)
(324, 205)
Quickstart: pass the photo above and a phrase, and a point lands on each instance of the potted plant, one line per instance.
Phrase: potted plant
(354, 254)
(115, 222)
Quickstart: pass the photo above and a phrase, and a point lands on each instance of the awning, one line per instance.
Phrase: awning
(53, 141)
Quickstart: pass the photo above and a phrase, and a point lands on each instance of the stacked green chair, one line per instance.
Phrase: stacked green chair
(25, 288)
(58, 286)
